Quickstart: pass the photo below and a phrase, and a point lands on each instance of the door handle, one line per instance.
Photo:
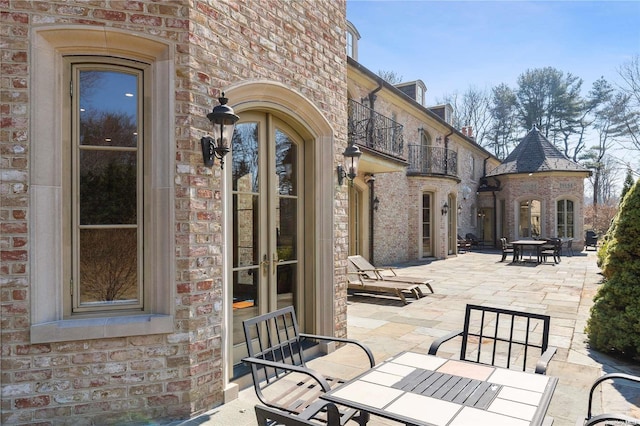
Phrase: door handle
(275, 262)
(265, 264)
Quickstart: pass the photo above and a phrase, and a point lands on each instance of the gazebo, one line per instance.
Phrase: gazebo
(536, 192)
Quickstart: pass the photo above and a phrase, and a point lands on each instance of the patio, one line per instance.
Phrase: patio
(563, 291)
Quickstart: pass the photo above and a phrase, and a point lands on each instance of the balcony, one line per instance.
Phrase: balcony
(426, 160)
(372, 130)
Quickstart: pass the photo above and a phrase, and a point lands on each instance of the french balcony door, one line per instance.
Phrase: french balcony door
(267, 223)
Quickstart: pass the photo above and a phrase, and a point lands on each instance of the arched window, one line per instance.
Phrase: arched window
(529, 219)
(565, 218)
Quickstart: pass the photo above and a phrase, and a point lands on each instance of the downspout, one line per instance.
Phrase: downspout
(446, 153)
(449, 244)
(372, 101)
(371, 182)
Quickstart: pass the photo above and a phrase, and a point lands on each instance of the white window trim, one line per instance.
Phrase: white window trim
(49, 46)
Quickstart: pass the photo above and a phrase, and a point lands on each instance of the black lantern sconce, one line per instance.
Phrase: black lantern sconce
(445, 208)
(459, 208)
(224, 123)
(350, 169)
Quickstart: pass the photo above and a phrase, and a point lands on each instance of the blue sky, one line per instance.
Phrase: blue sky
(452, 45)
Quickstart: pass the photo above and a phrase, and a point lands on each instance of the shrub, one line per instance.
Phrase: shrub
(614, 324)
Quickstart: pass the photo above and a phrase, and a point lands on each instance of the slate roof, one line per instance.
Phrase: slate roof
(534, 154)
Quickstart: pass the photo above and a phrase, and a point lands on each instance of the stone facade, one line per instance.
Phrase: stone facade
(172, 363)
(397, 222)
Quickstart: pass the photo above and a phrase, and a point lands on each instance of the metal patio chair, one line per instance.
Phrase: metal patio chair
(506, 248)
(504, 338)
(269, 416)
(609, 418)
(280, 375)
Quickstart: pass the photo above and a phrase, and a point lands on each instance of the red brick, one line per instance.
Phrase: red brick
(35, 402)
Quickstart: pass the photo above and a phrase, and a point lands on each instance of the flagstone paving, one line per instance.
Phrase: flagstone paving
(564, 291)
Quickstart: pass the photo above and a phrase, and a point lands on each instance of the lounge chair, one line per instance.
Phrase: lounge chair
(387, 273)
(502, 337)
(280, 375)
(358, 281)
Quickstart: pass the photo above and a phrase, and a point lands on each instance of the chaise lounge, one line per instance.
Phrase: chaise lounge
(387, 274)
(358, 281)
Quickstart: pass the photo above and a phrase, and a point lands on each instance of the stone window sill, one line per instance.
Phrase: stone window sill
(100, 328)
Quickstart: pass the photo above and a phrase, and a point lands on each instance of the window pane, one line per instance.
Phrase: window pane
(108, 266)
(108, 108)
(245, 157)
(246, 230)
(286, 159)
(108, 187)
(286, 215)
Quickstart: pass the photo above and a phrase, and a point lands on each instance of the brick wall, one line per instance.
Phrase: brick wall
(217, 43)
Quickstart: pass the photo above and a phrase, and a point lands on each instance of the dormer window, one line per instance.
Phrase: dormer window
(420, 95)
(352, 41)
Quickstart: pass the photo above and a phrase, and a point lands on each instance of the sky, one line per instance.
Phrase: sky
(454, 45)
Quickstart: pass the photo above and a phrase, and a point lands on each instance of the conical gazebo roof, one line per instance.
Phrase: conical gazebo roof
(534, 154)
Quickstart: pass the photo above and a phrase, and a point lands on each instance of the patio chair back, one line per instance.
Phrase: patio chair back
(280, 375)
(590, 239)
(503, 337)
(273, 337)
(506, 248)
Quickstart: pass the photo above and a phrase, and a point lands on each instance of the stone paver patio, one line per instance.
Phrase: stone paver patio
(564, 291)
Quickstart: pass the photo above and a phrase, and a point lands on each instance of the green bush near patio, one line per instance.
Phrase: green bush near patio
(614, 325)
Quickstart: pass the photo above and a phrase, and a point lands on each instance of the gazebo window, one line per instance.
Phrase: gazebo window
(565, 219)
(529, 223)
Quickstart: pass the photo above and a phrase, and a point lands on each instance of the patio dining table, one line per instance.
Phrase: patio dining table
(427, 390)
(519, 245)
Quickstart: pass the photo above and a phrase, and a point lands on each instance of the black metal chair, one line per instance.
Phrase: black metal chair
(590, 240)
(280, 375)
(609, 417)
(503, 338)
(506, 248)
(552, 249)
(268, 416)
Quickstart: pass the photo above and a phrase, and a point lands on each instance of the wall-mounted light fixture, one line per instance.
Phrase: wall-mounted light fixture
(445, 208)
(350, 169)
(459, 208)
(224, 123)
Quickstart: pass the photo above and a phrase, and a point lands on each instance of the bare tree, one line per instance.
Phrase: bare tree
(390, 77)
(630, 73)
(472, 109)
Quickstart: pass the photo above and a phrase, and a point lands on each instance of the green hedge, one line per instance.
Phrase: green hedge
(614, 325)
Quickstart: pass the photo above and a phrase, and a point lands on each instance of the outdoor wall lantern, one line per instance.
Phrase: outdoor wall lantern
(459, 208)
(224, 123)
(445, 208)
(350, 169)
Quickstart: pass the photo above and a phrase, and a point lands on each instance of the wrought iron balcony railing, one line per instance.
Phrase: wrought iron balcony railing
(373, 130)
(432, 160)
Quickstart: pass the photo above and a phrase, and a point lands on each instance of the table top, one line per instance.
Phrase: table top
(529, 242)
(420, 389)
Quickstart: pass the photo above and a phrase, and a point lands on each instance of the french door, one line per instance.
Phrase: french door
(267, 223)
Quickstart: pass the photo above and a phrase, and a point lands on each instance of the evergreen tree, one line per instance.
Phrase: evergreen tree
(614, 325)
(628, 183)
